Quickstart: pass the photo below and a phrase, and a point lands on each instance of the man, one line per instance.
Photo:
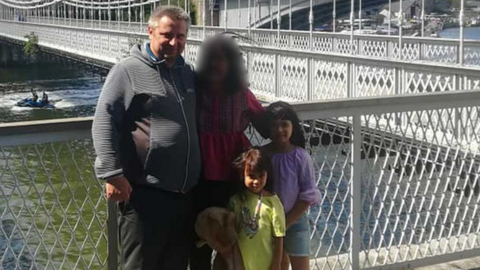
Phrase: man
(44, 98)
(34, 94)
(147, 148)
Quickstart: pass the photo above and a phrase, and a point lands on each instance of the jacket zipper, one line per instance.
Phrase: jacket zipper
(187, 164)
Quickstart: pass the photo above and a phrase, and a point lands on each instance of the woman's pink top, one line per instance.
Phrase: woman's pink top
(222, 120)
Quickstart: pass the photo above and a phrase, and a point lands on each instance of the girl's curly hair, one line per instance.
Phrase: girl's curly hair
(236, 80)
(256, 162)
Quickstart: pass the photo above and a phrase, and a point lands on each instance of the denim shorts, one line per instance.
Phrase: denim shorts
(297, 239)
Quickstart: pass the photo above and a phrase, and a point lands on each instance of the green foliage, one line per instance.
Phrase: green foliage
(31, 47)
(193, 10)
(193, 13)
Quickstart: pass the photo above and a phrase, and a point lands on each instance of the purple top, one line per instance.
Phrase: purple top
(294, 178)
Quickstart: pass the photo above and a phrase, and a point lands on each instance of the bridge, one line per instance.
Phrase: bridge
(294, 14)
(391, 123)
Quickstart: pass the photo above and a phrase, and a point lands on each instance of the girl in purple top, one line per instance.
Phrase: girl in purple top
(293, 181)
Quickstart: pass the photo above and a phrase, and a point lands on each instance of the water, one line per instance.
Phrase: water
(73, 92)
(468, 33)
(39, 209)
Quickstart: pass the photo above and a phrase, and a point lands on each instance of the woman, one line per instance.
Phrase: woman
(226, 107)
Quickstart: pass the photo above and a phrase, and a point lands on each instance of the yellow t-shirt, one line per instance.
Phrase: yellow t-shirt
(256, 243)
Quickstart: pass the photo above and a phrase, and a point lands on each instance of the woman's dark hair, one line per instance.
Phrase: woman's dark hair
(283, 111)
(236, 80)
(256, 162)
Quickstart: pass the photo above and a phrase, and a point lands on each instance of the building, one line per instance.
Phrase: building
(411, 9)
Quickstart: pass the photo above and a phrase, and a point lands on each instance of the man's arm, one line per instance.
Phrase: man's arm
(114, 98)
(277, 253)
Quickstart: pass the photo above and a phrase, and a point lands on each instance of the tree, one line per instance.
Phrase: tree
(31, 48)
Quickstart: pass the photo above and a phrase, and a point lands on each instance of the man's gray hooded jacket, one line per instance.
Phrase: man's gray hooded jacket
(145, 127)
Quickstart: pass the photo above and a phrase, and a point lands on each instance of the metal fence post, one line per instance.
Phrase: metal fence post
(350, 79)
(112, 236)
(310, 78)
(278, 77)
(461, 37)
(421, 51)
(355, 191)
(459, 113)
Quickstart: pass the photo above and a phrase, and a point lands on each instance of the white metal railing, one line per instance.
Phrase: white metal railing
(399, 178)
(413, 48)
(276, 73)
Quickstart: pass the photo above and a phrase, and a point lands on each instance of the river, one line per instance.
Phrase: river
(468, 33)
(73, 90)
(39, 210)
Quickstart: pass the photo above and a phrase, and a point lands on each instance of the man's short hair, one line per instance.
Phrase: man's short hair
(173, 12)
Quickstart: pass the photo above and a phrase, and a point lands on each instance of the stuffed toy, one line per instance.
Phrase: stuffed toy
(216, 227)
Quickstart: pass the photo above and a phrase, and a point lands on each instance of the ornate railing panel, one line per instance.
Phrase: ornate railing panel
(413, 48)
(278, 73)
(398, 177)
(52, 209)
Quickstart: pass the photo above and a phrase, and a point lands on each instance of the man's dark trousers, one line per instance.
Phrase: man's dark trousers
(156, 230)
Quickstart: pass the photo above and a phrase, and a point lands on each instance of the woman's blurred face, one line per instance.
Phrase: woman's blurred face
(218, 68)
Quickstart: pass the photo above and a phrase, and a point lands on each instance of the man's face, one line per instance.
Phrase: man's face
(167, 40)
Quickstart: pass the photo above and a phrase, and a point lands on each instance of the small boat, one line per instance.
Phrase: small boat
(29, 102)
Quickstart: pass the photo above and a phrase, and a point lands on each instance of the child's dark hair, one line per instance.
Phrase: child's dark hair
(236, 80)
(254, 161)
(283, 111)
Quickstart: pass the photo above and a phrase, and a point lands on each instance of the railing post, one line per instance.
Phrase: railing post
(112, 236)
(278, 76)
(310, 78)
(352, 23)
(350, 79)
(420, 50)
(334, 43)
(355, 192)
(397, 85)
(397, 91)
(388, 49)
(458, 116)
(461, 37)
(310, 21)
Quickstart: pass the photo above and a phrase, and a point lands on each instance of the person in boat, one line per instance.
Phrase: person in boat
(35, 96)
(44, 98)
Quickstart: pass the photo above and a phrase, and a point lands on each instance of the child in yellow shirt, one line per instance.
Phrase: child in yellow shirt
(259, 214)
